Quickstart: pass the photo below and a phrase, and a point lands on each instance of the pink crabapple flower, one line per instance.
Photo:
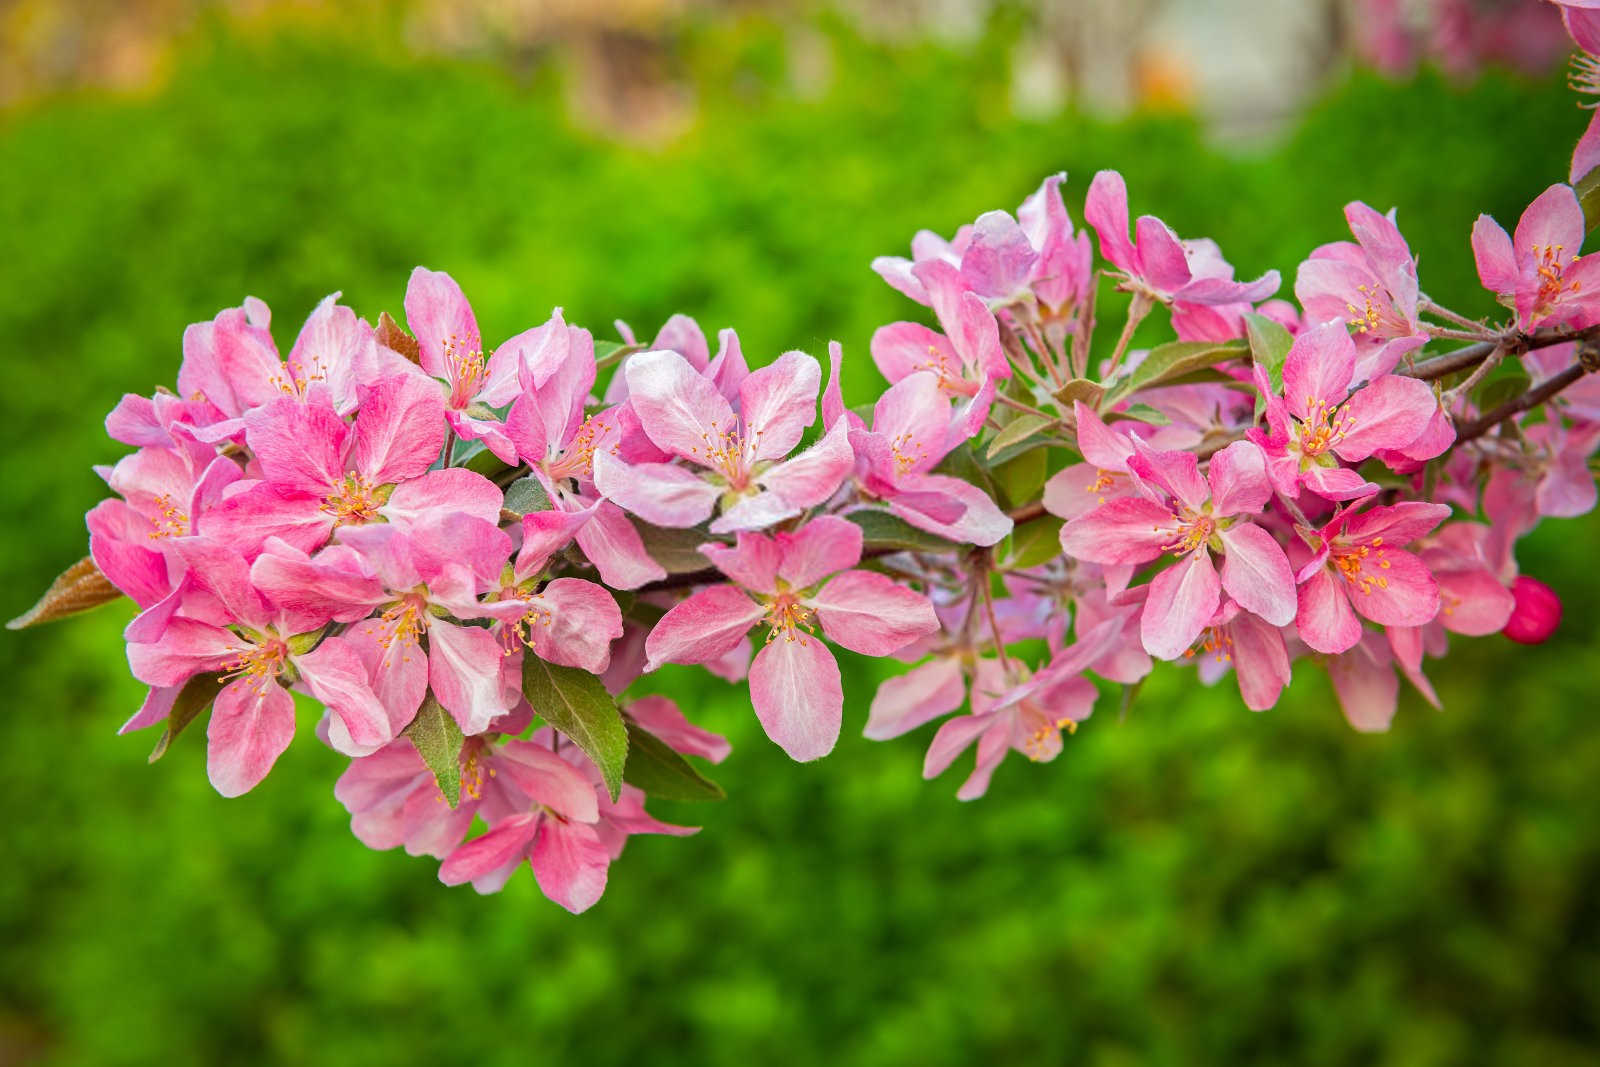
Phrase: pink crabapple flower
(1156, 261)
(1252, 647)
(1177, 511)
(1538, 273)
(1537, 612)
(912, 430)
(1319, 421)
(263, 649)
(785, 580)
(733, 461)
(1371, 285)
(1360, 568)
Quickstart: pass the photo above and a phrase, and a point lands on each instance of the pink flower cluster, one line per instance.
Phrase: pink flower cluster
(471, 556)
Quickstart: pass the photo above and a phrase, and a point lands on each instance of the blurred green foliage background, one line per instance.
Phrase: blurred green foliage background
(1195, 884)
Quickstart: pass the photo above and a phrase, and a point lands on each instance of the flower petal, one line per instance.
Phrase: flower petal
(797, 694)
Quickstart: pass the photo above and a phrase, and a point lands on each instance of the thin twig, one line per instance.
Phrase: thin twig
(1138, 308)
(1531, 399)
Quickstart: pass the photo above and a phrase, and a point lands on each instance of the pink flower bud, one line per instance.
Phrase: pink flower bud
(1537, 612)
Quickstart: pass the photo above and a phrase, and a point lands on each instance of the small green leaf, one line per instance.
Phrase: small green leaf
(1170, 362)
(196, 696)
(1080, 389)
(660, 771)
(1021, 478)
(603, 349)
(79, 588)
(880, 529)
(527, 495)
(473, 456)
(574, 702)
(1016, 431)
(1141, 412)
(1033, 543)
(1588, 190)
(438, 740)
(678, 551)
(1269, 347)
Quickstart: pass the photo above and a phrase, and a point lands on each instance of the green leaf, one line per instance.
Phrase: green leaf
(1269, 347)
(1034, 542)
(660, 771)
(1588, 190)
(438, 740)
(527, 495)
(1020, 479)
(196, 696)
(1016, 431)
(79, 588)
(1141, 412)
(1169, 362)
(602, 349)
(481, 460)
(880, 529)
(1080, 389)
(1507, 382)
(678, 551)
(574, 702)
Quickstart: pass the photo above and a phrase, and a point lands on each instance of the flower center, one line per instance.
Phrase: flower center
(577, 459)
(1215, 641)
(725, 451)
(786, 615)
(907, 451)
(467, 371)
(1323, 427)
(1191, 536)
(950, 380)
(259, 664)
(1041, 738)
(401, 623)
(1377, 317)
(173, 521)
(354, 502)
(1355, 562)
(1552, 282)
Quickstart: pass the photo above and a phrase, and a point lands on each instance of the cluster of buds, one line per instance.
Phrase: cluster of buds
(475, 557)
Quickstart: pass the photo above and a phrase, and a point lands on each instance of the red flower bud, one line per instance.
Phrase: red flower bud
(1537, 613)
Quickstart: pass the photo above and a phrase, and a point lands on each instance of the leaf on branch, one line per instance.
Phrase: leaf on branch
(1017, 431)
(1021, 478)
(1033, 543)
(1588, 190)
(195, 697)
(394, 337)
(602, 349)
(678, 551)
(1505, 383)
(1269, 347)
(1080, 389)
(437, 739)
(574, 702)
(882, 530)
(661, 771)
(527, 495)
(79, 588)
(1143, 413)
(1168, 363)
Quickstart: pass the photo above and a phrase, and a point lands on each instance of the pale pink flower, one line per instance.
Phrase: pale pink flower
(785, 581)
(1252, 647)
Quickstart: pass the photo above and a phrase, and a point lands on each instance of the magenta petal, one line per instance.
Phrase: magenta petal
(300, 446)
(1497, 262)
(157, 705)
(1256, 573)
(661, 717)
(1125, 530)
(574, 623)
(1586, 154)
(921, 695)
(1318, 368)
(336, 676)
(797, 694)
(187, 648)
(247, 519)
(973, 518)
(823, 546)
(1162, 262)
(439, 494)
(814, 475)
(549, 780)
(614, 546)
(1390, 412)
(439, 315)
(1259, 660)
(1366, 686)
(1553, 220)
(777, 403)
(661, 493)
(872, 614)
(400, 428)
(680, 410)
(1183, 598)
(1238, 477)
(464, 673)
(752, 562)
(703, 627)
(252, 723)
(1395, 588)
(504, 845)
(570, 863)
(904, 348)
(1325, 619)
(1106, 209)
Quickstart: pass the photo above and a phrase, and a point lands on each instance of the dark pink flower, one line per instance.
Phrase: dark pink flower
(1539, 273)
(1537, 612)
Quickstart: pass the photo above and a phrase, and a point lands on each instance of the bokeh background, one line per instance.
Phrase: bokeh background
(1195, 884)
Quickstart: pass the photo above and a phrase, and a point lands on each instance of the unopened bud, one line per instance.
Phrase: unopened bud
(1537, 612)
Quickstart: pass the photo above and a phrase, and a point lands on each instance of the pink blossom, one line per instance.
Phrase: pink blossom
(1080, 487)
(1361, 567)
(1252, 647)
(1539, 274)
(1161, 265)
(264, 649)
(1179, 512)
(1313, 425)
(1371, 285)
(735, 461)
(784, 580)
